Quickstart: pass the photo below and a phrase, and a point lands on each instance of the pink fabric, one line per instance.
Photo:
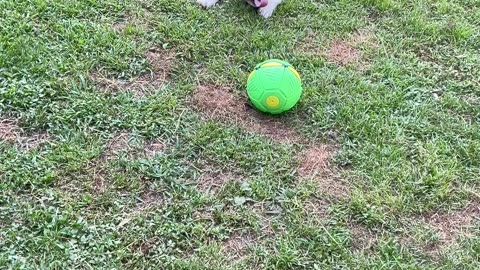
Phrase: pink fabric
(257, 3)
(261, 3)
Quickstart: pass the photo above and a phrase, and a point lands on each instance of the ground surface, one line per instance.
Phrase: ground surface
(127, 141)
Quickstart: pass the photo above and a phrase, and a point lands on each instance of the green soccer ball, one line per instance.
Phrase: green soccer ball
(274, 86)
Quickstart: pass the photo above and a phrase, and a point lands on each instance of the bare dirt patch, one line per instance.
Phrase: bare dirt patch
(315, 164)
(118, 144)
(132, 147)
(99, 175)
(267, 213)
(149, 199)
(350, 51)
(161, 64)
(335, 186)
(451, 226)
(120, 26)
(278, 129)
(236, 247)
(11, 132)
(212, 179)
(145, 246)
(33, 141)
(343, 53)
(315, 161)
(473, 100)
(220, 103)
(363, 239)
(154, 147)
(316, 208)
(204, 214)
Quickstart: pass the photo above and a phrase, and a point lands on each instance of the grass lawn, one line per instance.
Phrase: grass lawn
(127, 140)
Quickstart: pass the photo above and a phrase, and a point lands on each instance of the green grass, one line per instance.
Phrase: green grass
(405, 119)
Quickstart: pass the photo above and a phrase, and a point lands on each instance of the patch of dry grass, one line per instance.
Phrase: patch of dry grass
(237, 245)
(450, 226)
(212, 178)
(315, 165)
(220, 103)
(161, 63)
(343, 52)
(363, 239)
(11, 132)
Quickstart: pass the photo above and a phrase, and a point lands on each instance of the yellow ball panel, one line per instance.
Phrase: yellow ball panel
(271, 64)
(272, 102)
(294, 72)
